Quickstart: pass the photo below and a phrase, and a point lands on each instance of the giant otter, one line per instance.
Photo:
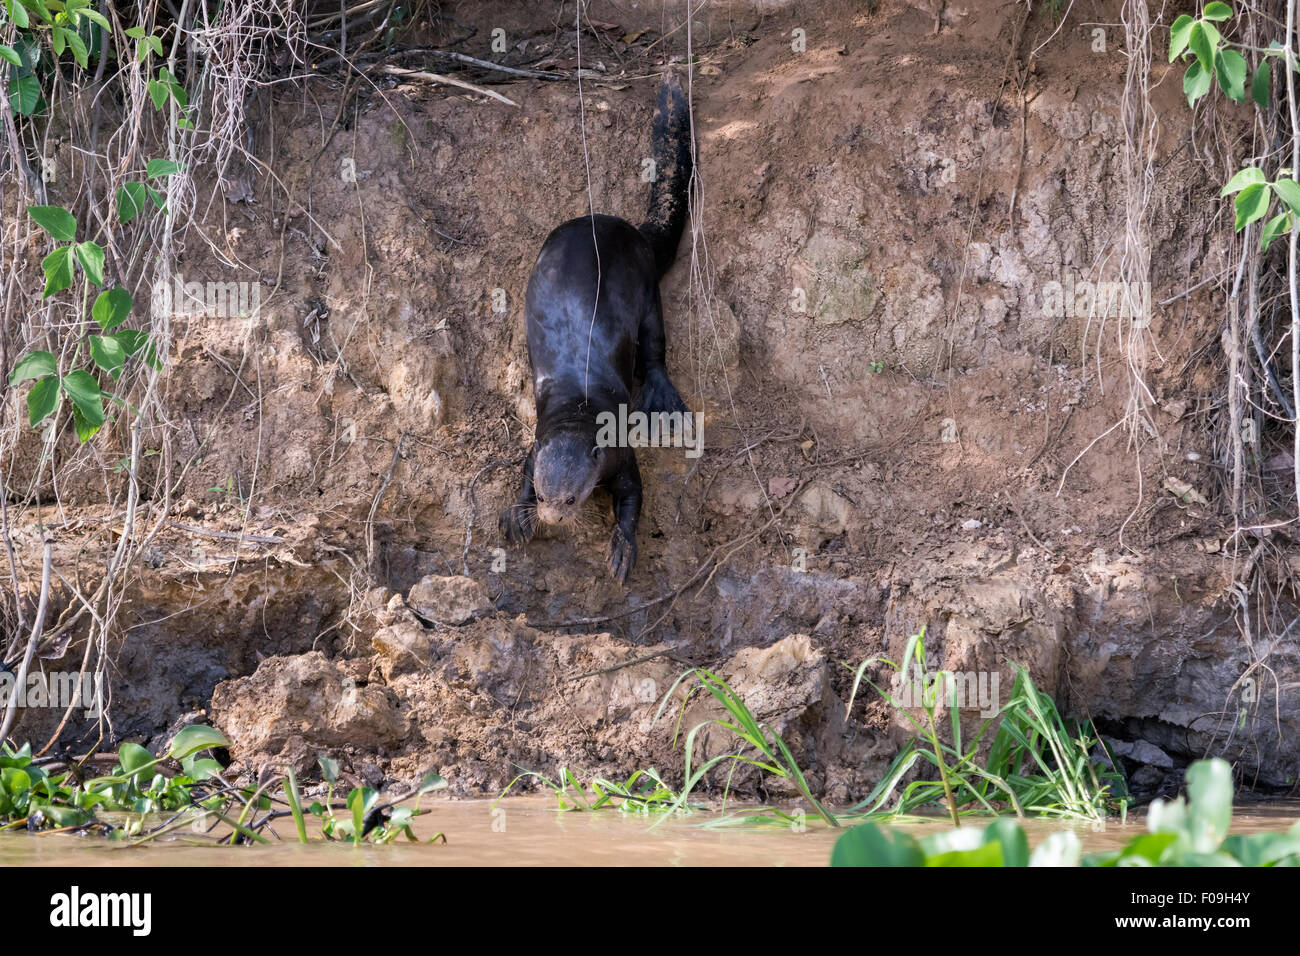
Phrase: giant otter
(595, 327)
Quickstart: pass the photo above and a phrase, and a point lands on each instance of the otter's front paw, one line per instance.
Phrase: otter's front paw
(622, 555)
(517, 523)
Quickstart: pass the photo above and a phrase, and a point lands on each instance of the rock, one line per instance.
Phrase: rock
(449, 600)
(401, 648)
(310, 697)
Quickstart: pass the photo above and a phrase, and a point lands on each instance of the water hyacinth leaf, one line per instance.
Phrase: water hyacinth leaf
(55, 220)
(1251, 204)
(1209, 791)
(111, 308)
(192, 739)
(91, 257)
(1059, 849)
(1216, 11)
(42, 399)
(870, 845)
(1196, 83)
(1012, 838)
(1288, 190)
(25, 94)
(430, 783)
(57, 267)
(1259, 86)
(33, 365)
(329, 769)
(1278, 225)
(1179, 35)
(1230, 67)
(108, 354)
(134, 759)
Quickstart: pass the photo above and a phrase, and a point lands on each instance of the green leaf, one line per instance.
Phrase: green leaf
(1015, 844)
(1251, 204)
(25, 94)
(1213, 35)
(1196, 83)
(1259, 86)
(33, 365)
(1289, 192)
(78, 48)
(157, 93)
(329, 769)
(135, 33)
(19, 15)
(57, 40)
(42, 400)
(431, 782)
(86, 429)
(82, 388)
(1179, 34)
(91, 257)
(10, 54)
(55, 220)
(1209, 797)
(96, 18)
(111, 308)
(194, 738)
(58, 270)
(131, 198)
(1275, 227)
(1216, 11)
(870, 845)
(1246, 177)
(1199, 41)
(108, 354)
(162, 167)
(1230, 66)
(133, 759)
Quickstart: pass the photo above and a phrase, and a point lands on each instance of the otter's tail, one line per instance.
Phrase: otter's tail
(670, 141)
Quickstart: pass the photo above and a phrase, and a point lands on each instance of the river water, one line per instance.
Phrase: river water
(527, 830)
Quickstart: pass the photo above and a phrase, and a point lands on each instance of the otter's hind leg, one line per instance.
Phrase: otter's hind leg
(658, 393)
(518, 523)
(625, 489)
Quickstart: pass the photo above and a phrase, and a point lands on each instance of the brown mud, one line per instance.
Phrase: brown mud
(897, 435)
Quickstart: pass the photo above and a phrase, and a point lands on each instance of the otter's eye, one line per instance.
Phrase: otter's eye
(541, 500)
(570, 500)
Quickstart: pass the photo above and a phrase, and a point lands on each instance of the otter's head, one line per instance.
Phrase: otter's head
(565, 471)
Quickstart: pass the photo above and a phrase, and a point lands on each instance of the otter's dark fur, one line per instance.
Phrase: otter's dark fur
(595, 326)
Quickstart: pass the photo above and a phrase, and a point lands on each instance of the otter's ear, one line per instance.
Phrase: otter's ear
(595, 451)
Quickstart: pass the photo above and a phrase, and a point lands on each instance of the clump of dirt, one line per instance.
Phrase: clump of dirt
(901, 431)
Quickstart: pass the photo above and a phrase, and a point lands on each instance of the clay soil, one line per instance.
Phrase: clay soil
(898, 432)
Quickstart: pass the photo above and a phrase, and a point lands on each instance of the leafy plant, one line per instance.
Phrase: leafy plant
(1192, 832)
(108, 350)
(1037, 763)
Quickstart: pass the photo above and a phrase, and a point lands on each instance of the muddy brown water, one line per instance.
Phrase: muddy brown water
(531, 832)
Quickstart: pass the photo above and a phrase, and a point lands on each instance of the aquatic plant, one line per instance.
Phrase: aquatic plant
(34, 799)
(1182, 832)
(1038, 762)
